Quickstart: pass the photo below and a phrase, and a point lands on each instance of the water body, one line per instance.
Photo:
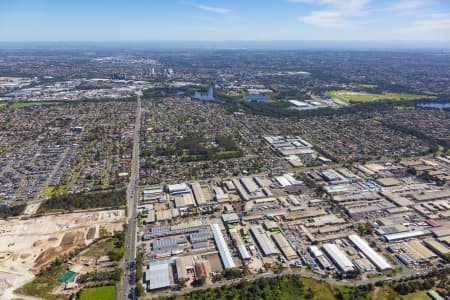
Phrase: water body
(258, 98)
(435, 105)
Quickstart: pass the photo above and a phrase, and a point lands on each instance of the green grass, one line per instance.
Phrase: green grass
(321, 290)
(352, 96)
(44, 284)
(98, 293)
(419, 295)
(386, 293)
(26, 104)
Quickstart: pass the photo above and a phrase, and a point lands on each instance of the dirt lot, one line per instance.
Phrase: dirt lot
(29, 245)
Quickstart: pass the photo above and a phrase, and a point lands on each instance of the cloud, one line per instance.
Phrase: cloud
(405, 5)
(324, 18)
(214, 9)
(352, 5)
(432, 22)
(335, 15)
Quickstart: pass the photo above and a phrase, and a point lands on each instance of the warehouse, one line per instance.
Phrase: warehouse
(438, 248)
(266, 245)
(249, 184)
(224, 252)
(284, 246)
(239, 244)
(404, 235)
(338, 257)
(158, 275)
(219, 194)
(184, 200)
(168, 243)
(371, 254)
(231, 218)
(413, 252)
(198, 193)
(176, 189)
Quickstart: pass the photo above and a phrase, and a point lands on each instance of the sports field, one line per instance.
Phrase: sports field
(352, 96)
(99, 293)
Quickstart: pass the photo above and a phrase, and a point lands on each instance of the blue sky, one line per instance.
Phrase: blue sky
(215, 20)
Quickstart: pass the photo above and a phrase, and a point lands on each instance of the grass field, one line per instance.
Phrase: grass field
(99, 293)
(26, 104)
(43, 285)
(386, 293)
(352, 96)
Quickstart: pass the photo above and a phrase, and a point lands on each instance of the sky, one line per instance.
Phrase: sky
(219, 20)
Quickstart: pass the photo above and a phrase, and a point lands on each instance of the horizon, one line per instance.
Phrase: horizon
(264, 45)
(217, 20)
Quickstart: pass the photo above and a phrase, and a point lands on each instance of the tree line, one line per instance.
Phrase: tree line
(70, 202)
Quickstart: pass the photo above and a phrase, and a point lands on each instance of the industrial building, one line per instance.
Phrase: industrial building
(168, 243)
(176, 189)
(231, 218)
(438, 248)
(266, 245)
(338, 257)
(200, 197)
(222, 246)
(371, 254)
(284, 246)
(404, 235)
(158, 274)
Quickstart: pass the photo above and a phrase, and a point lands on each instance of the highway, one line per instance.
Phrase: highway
(128, 281)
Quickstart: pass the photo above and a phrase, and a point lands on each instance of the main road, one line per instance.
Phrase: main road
(128, 281)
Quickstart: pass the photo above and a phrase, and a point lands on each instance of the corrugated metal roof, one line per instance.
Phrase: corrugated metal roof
(158, 275)
(338, 257)
(371, 254)
(224, 252)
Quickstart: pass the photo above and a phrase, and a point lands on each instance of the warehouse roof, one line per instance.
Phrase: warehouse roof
(338, 257)
(158, 275)
(264, 242)
(404, 235)
(224, 252)
(371, 254)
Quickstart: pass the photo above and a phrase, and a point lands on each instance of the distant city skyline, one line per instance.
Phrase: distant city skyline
(215, 20)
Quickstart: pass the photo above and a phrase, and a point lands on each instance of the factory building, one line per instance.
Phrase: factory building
(200, 197)
(284, 245)
(222, 246)
(266, 245)
(371, 254)
(158, 274)
(176, 189)
(338, 257)
(404, 235)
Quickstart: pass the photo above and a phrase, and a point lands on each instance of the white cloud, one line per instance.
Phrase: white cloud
(405, 5)
(432, 22)
(352, 5)
(214, 9)
(336, 14)
(324, 18)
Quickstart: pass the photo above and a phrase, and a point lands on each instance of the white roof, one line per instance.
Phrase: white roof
(158, 275)
(338, 257)
(243, 251)
(282, 181)
(371, 254)
(264, 242)
(404, 235)
(178, 187)
(224, 252)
